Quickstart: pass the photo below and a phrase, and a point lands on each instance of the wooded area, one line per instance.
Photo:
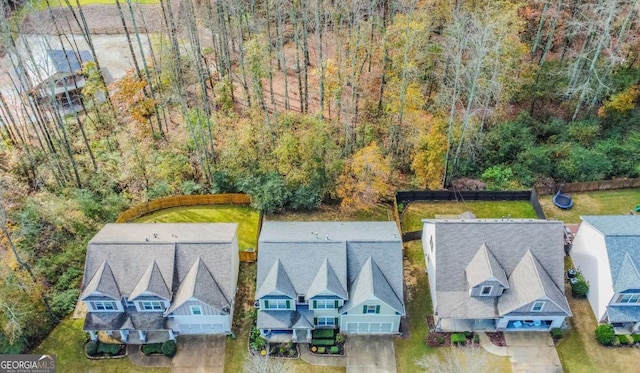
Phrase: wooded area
(296, 103)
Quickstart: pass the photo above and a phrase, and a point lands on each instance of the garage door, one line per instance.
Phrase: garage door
(200, 328)
(369, 327)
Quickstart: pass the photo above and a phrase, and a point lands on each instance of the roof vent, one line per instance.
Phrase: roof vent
(327, 237)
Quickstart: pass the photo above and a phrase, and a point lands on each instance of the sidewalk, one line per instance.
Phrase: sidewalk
(305, 354)
(490, 347)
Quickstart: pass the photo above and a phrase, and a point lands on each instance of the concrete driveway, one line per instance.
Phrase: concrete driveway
(532, 352)
(199, 354)
(370, 354)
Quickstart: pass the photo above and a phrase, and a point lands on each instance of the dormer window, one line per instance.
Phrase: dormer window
(151, 306)
(486, 290)
(629, 298)
(325, 304)
(301, 299)
(537, 306)
(104, 306)
(196, 310)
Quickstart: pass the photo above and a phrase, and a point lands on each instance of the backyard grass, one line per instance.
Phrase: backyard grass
(607, 202)
(246, 216)
(335, 213)
(416, 211)
(67, 341)
(578, 349)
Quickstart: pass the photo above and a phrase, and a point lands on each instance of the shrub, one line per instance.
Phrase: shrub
(169, 348)
(152, 348)
(334, 350)
(322, 342)
(91, 348)
(458, 338)
(557, 333)
(283, 349)
(323, 333)
(322, 350)
(292, 352)
(636, 338)
(580, 287)
(605, 335)
(108, 349)
(341, 337)
(440, 339)
(258, 343)
(314, 349)
(476, 338)
(623, 339)
(468, 334)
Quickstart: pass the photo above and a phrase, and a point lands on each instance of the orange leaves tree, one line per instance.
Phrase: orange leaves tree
(365, 179)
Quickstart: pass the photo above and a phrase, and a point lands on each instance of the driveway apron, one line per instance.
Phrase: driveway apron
(199, 354)
(370, 354)
(532, 352)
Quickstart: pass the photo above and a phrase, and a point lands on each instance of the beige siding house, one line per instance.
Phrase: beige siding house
(148, 283)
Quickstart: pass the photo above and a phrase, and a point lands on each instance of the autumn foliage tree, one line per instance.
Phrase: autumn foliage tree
(366, 179)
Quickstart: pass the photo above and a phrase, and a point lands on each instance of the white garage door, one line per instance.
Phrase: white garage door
(369, 327)
(200, 328)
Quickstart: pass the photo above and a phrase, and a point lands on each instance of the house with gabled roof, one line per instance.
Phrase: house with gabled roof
(606, 250)
(148, 283)
(345, 275)
(495, 274)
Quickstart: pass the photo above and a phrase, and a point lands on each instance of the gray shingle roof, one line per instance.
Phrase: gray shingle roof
(277, 282)
(102, 282)
(303, 247)
(326, 281)
(622, 239)
(623, 313)
(134, 233)
(457, 242)
(530, 282)
(483, 267)
(151, 281)
(284, 320)
(370, 283)
(199, 284)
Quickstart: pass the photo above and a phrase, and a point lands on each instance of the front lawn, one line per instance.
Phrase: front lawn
(606, 202)
(416, 211)
(246, 216)
(580, 352)
(67, 342)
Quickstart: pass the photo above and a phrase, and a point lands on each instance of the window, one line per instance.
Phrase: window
(325, 304)
(537, 306)
(196, 310)
(326, 321)
(371, 308)
(151, 306)
(128, 302)
(277, 304)
(104, 306)
(301, 299)
(486, 290)
(629, 298)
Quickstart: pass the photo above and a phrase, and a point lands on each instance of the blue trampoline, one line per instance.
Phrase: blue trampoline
(562, 201)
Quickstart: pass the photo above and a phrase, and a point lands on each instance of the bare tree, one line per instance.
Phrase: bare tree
(267, 364)
(457, 360)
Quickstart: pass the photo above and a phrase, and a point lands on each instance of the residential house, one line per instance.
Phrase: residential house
(606, 249)
(148, 283)
(56, 73)
(495, 274)
(345, 275)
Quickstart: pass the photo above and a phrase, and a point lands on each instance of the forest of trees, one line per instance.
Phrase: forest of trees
(299, 103)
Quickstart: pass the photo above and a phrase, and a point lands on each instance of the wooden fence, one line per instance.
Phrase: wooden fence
(176, 201)
(588, 186)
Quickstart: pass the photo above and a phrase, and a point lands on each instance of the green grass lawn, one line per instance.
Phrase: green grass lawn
(607, 202)
(67, 341)
(416, 211)
(335, 213)
(246, 216)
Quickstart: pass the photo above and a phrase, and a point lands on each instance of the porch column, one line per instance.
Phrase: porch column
(124, 335)
(171, 335)
(142, 335)
(308, 335)
(94, 335)
(636, 327)
(294, 336)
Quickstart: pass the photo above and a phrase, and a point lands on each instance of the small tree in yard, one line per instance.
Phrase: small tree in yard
(456, 360)
(266, 364)
(605, 335)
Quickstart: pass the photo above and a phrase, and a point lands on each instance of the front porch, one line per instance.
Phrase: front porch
(132, 336)
(461, 325)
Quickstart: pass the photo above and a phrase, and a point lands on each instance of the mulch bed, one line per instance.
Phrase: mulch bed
(497, 338)
(434, 341)
(431, 324)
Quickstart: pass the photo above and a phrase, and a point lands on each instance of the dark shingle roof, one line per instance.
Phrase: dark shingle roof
(326, 281)
(102, 282)
(152, 282)
(457, 243)
(371, 283)
(483, 267)
(199, 284)
(277, 282)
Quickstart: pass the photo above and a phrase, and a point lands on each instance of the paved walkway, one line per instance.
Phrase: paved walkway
(200, 354)
(138, 358)
(527, 351)
(306, 355)
(370, 354)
